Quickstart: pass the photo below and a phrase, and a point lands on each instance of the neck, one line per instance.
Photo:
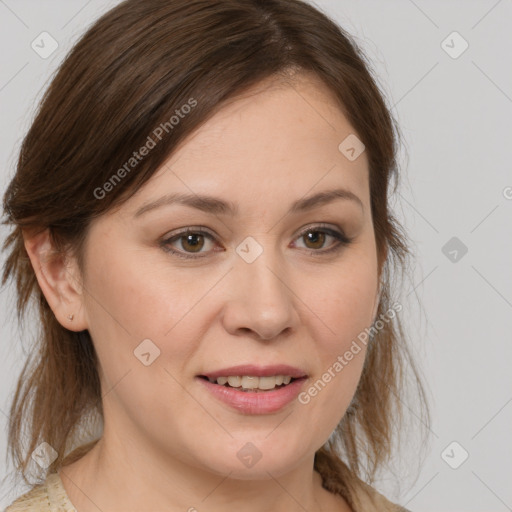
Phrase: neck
(116, 475)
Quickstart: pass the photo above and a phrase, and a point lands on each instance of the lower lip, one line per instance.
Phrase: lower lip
(251, 402)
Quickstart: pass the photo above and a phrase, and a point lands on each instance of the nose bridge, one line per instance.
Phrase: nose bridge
(262, 300)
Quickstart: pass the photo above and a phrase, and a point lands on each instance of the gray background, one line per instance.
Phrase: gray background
(455, 116)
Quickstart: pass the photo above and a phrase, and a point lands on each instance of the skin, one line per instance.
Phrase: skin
(167, 443)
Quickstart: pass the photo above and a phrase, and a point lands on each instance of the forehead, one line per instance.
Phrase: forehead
(276, 113)
(282, 137)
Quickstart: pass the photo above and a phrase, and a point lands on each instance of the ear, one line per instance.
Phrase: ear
(59, 279)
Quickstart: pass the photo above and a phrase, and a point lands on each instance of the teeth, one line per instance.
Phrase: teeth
(234, 382)
(267, 383)
(251, 382)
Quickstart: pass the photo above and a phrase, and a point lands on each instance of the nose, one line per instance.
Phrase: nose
(261, 300)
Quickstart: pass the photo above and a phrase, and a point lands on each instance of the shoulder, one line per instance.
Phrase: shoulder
(49, 496)
(370, 499)
(35, 499)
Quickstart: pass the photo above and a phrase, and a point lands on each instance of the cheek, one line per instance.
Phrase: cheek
(343, 306)
(140, 302)
(143, 297)
(343, 311)
(329, 393)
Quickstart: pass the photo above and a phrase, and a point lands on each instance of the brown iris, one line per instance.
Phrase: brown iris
(191, 240)
(315, 237)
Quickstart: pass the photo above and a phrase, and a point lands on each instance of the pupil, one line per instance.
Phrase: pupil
(194, 244)
(319, 237)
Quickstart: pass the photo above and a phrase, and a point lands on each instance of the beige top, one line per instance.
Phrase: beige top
(47, 497)
(52, 497)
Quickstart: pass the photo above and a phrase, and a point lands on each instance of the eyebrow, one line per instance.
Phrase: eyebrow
(218, 206)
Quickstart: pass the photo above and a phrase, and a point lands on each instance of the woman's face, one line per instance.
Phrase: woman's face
(260, 280)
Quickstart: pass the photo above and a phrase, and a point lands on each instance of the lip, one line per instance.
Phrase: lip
(250, 402)
(257, 371)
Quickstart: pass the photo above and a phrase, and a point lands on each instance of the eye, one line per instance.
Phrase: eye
(316, 236)
(191, 240)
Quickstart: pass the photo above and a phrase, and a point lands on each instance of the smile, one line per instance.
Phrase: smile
(253, 383)
(251, 399)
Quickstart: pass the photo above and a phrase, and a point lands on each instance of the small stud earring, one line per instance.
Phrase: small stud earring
(71, 317)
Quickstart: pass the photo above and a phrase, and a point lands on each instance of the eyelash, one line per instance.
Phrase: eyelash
(343, 240)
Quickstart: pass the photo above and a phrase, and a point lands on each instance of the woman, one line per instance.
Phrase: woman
(200, 211)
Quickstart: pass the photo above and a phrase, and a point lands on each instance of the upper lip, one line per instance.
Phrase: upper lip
(257, 371)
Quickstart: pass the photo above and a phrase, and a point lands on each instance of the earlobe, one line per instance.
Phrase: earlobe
(58, 278)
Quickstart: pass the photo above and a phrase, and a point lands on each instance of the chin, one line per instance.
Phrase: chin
(248, 462)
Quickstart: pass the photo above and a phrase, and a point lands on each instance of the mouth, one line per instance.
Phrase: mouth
(253, 383)
(252, 389)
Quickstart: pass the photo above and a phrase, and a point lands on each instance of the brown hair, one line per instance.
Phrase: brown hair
(127, 75)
